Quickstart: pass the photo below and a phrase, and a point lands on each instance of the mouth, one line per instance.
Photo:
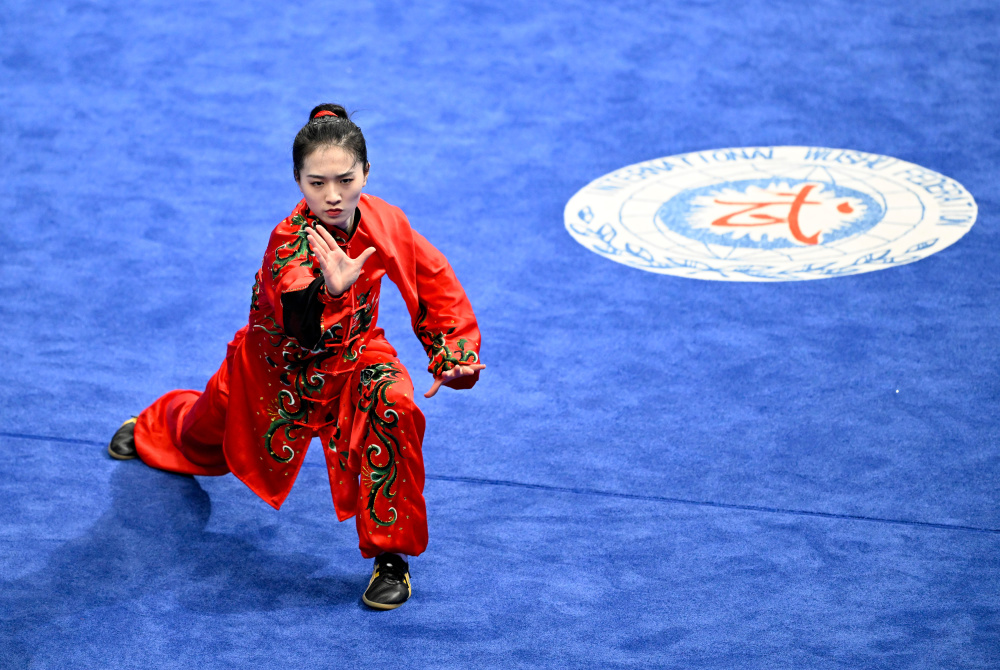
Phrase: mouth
(334, 212)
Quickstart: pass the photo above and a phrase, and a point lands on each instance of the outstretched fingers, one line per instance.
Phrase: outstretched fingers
(454, 373)
(324, 244)
(473, 367)
(331, 243)
(319, 246)
(364, 256)
(339, 270)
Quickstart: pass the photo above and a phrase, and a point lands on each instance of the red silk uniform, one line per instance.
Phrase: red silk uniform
(271, 395)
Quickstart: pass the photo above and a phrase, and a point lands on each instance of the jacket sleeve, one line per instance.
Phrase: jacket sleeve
(440, 312)
(444, 321)
(294, 287)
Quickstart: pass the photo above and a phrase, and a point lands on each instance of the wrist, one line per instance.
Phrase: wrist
(326, 294)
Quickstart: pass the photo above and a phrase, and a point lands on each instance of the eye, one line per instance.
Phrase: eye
(316, 183)
(347, 180)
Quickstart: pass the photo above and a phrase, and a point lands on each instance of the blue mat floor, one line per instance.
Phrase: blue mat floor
(191, 571)
(653, 472)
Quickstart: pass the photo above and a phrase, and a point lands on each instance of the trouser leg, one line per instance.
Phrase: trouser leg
(387, 434)
(182, 431)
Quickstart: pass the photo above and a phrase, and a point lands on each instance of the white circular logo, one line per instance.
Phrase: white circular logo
(770, 214)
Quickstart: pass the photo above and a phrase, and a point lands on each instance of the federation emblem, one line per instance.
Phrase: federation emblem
(770, 214)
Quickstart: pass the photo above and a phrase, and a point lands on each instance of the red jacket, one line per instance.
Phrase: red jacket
(281, 393)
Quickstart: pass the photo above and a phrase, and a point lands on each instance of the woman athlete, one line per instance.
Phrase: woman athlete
(311, 362)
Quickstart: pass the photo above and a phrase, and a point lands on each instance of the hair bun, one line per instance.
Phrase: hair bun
(328, 109)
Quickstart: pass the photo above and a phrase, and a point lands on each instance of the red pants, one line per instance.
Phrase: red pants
(185, 432)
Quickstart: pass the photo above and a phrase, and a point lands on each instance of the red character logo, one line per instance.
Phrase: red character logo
(795, 205)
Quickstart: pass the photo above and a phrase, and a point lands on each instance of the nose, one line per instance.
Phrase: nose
(332, 195)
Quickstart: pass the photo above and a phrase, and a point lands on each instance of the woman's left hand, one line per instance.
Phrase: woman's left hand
(455, 373)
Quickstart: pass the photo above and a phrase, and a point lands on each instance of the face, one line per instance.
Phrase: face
(331, 180)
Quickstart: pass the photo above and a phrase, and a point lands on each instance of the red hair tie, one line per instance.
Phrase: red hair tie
(325, 112)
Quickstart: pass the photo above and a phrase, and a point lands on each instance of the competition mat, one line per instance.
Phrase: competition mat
(735, 266)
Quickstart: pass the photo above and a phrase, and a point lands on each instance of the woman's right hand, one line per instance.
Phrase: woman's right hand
(340, 271)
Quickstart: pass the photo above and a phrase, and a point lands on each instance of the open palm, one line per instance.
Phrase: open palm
(340, 271)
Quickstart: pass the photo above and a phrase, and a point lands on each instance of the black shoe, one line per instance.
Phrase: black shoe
(122, 444)
(390, 584)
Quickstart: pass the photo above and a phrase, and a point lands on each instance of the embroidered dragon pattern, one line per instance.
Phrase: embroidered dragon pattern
(296, 249)
(305, 382)
(442, 356)
(382, 453)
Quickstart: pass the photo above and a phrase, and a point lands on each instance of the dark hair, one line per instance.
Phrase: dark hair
(328, 130)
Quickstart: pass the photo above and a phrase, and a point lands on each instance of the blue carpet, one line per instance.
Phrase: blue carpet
(653, 472)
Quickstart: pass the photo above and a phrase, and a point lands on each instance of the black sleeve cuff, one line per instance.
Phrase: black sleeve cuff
(303, 313)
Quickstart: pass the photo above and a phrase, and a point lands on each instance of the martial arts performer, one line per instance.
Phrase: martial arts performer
(311, 362)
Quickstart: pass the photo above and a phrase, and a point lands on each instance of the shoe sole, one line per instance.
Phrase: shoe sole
(381, 606)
